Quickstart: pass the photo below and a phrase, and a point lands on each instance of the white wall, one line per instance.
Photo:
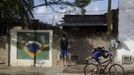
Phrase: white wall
(126, 29)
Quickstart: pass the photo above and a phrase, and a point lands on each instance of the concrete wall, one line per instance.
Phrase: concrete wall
(82, 47)
(80, 44)
(4, 50)
(126, 30)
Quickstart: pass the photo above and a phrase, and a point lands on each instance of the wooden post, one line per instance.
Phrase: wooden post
(35, 35)
(109, 19)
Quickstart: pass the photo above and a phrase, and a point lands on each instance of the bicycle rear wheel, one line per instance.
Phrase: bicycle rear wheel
(116, 69)
(90, 69)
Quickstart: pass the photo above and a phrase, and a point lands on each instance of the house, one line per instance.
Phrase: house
(88, 31)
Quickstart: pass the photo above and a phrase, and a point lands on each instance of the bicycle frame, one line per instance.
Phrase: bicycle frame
(101, 67)
(108, 61)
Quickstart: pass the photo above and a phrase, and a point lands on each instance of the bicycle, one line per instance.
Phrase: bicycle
(95, 69)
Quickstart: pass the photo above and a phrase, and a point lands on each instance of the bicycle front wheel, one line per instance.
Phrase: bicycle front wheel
(90, 69)
(116, 69)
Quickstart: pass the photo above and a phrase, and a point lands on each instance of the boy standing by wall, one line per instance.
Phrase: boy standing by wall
(64, 49)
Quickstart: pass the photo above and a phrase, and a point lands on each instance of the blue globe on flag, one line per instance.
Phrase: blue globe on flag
(33, 46)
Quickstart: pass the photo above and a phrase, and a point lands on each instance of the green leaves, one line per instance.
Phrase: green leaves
(15, 11)
(15, 7)
(82, 3)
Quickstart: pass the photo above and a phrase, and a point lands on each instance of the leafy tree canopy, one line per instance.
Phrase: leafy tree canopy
(82, 3)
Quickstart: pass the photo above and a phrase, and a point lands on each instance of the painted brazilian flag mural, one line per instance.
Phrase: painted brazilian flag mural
(31, 43)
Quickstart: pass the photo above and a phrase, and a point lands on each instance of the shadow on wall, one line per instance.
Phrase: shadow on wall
(79, 46)
(2, 42)
(80, 49)
(82, 45)
(3, 51)
(55, 46)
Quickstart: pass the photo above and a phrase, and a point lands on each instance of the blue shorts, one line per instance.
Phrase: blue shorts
(63, 53)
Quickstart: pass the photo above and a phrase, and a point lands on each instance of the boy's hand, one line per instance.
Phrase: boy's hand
(69, 46)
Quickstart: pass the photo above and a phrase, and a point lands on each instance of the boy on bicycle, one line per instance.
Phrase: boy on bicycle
(100, 52)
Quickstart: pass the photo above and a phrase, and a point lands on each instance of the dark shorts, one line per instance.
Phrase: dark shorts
(96, 59)
(63, 53)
